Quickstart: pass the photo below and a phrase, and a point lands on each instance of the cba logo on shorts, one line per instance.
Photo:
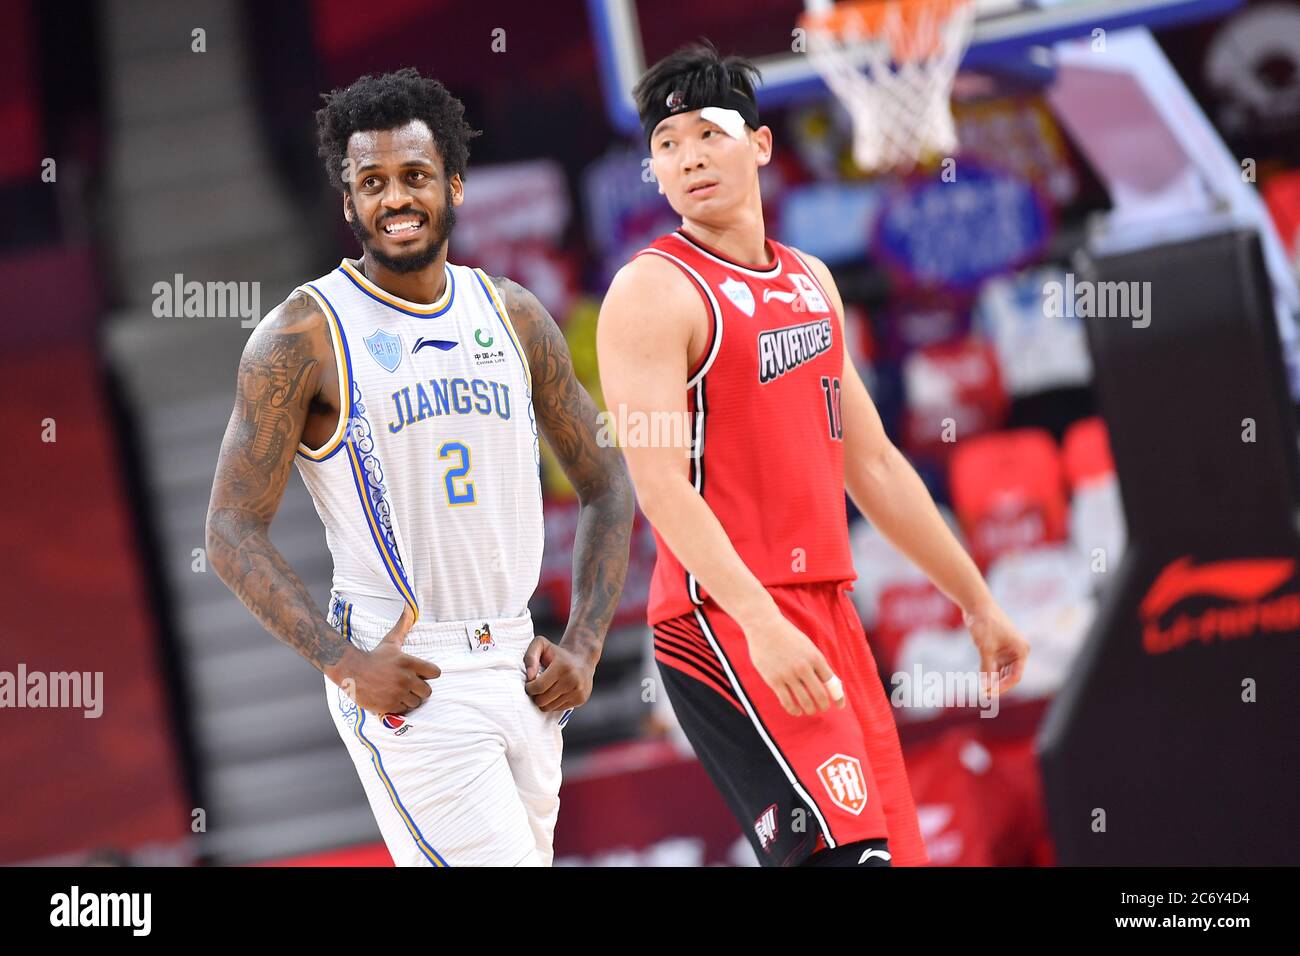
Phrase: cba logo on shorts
(843, 779)
(396, 723)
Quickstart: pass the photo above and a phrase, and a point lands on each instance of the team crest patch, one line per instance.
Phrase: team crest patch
(385, 348)
(740, 294)
(844, 782)
(483, 639)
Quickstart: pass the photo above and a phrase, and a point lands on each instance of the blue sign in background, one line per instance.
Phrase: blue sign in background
(956, 234)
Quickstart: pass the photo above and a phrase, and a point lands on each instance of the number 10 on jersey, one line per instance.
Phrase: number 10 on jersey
(831, 388)
(459, 453)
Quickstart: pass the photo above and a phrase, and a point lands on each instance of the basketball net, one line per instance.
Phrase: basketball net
(892, 64)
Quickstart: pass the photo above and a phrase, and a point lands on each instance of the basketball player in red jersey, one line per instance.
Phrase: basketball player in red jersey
(761, 651)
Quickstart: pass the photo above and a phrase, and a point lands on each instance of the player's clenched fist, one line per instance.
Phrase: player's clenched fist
(793, 667)
(558, 678)
(385, 681)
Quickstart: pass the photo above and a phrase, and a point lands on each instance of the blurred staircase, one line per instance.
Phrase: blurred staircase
(191, 191)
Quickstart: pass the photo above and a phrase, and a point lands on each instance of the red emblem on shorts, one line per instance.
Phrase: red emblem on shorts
(845, 783)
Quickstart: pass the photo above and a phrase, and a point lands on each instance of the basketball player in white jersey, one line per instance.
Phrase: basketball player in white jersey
(410, 393)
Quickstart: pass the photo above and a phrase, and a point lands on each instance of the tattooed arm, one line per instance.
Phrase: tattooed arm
(284, 375)
(567, 419)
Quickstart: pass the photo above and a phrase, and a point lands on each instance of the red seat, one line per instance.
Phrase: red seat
(1008, 492)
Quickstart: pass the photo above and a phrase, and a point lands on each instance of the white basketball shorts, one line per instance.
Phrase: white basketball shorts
(471, 777)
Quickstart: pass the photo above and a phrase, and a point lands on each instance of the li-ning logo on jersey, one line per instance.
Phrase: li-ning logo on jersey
(783, 350)
(442, 345)
(765, 827)
(805, 290)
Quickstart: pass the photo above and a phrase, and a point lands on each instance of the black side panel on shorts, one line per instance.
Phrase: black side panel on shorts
(778, 823)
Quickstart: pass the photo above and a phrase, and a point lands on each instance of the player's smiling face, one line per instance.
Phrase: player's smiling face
(701, 169)
(400, 203)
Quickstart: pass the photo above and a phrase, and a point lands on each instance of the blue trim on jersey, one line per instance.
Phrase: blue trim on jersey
(451, 279)
(377, 762)
(392, 562)
(506, 329)
(347, 363)
(356, 413)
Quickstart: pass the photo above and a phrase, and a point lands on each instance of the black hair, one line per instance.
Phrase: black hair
(386, 102)
(699, 72)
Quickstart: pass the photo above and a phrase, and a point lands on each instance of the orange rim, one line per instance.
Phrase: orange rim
(913, 28)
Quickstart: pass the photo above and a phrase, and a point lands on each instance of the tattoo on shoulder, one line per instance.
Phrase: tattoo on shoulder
(561, 402)
(548, 351)
(275, 379)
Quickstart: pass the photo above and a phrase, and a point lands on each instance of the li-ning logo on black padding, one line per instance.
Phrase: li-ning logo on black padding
(783, 350)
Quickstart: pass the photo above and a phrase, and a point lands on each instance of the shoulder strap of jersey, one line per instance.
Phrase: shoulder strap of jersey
(711, 308)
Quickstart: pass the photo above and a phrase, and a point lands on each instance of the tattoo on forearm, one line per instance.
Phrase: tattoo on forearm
(272, 402)
(567, 418)
(254, 569)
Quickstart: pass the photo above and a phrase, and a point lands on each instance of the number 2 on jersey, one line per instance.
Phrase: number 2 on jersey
(455, 495)
(831, 386)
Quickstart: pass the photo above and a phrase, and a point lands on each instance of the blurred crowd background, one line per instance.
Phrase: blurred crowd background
(214, 744)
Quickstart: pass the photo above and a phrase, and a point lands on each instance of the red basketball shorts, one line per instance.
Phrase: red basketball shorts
(795, 784)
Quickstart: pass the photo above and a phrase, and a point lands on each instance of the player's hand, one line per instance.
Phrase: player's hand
(793, 667)
(1002, 650)
(387, 681)
(557, 678)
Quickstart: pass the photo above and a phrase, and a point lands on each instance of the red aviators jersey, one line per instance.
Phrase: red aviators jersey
(768, 443)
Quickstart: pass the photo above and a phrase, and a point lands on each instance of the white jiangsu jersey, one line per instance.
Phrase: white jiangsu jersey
(429, 488)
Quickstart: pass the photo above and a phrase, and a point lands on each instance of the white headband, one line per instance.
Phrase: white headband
(729, 121)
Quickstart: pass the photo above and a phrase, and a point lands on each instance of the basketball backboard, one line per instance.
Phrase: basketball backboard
(631, 34)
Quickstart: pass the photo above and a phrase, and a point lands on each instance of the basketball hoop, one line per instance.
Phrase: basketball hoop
(892, 64)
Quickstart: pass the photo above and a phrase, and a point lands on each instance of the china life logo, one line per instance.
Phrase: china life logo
(486, 354)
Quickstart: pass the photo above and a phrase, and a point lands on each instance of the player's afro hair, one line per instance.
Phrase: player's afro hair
(385, 102)
(700, 72)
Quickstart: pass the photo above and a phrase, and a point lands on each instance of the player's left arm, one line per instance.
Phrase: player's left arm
(567, 419)
(886, 488)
